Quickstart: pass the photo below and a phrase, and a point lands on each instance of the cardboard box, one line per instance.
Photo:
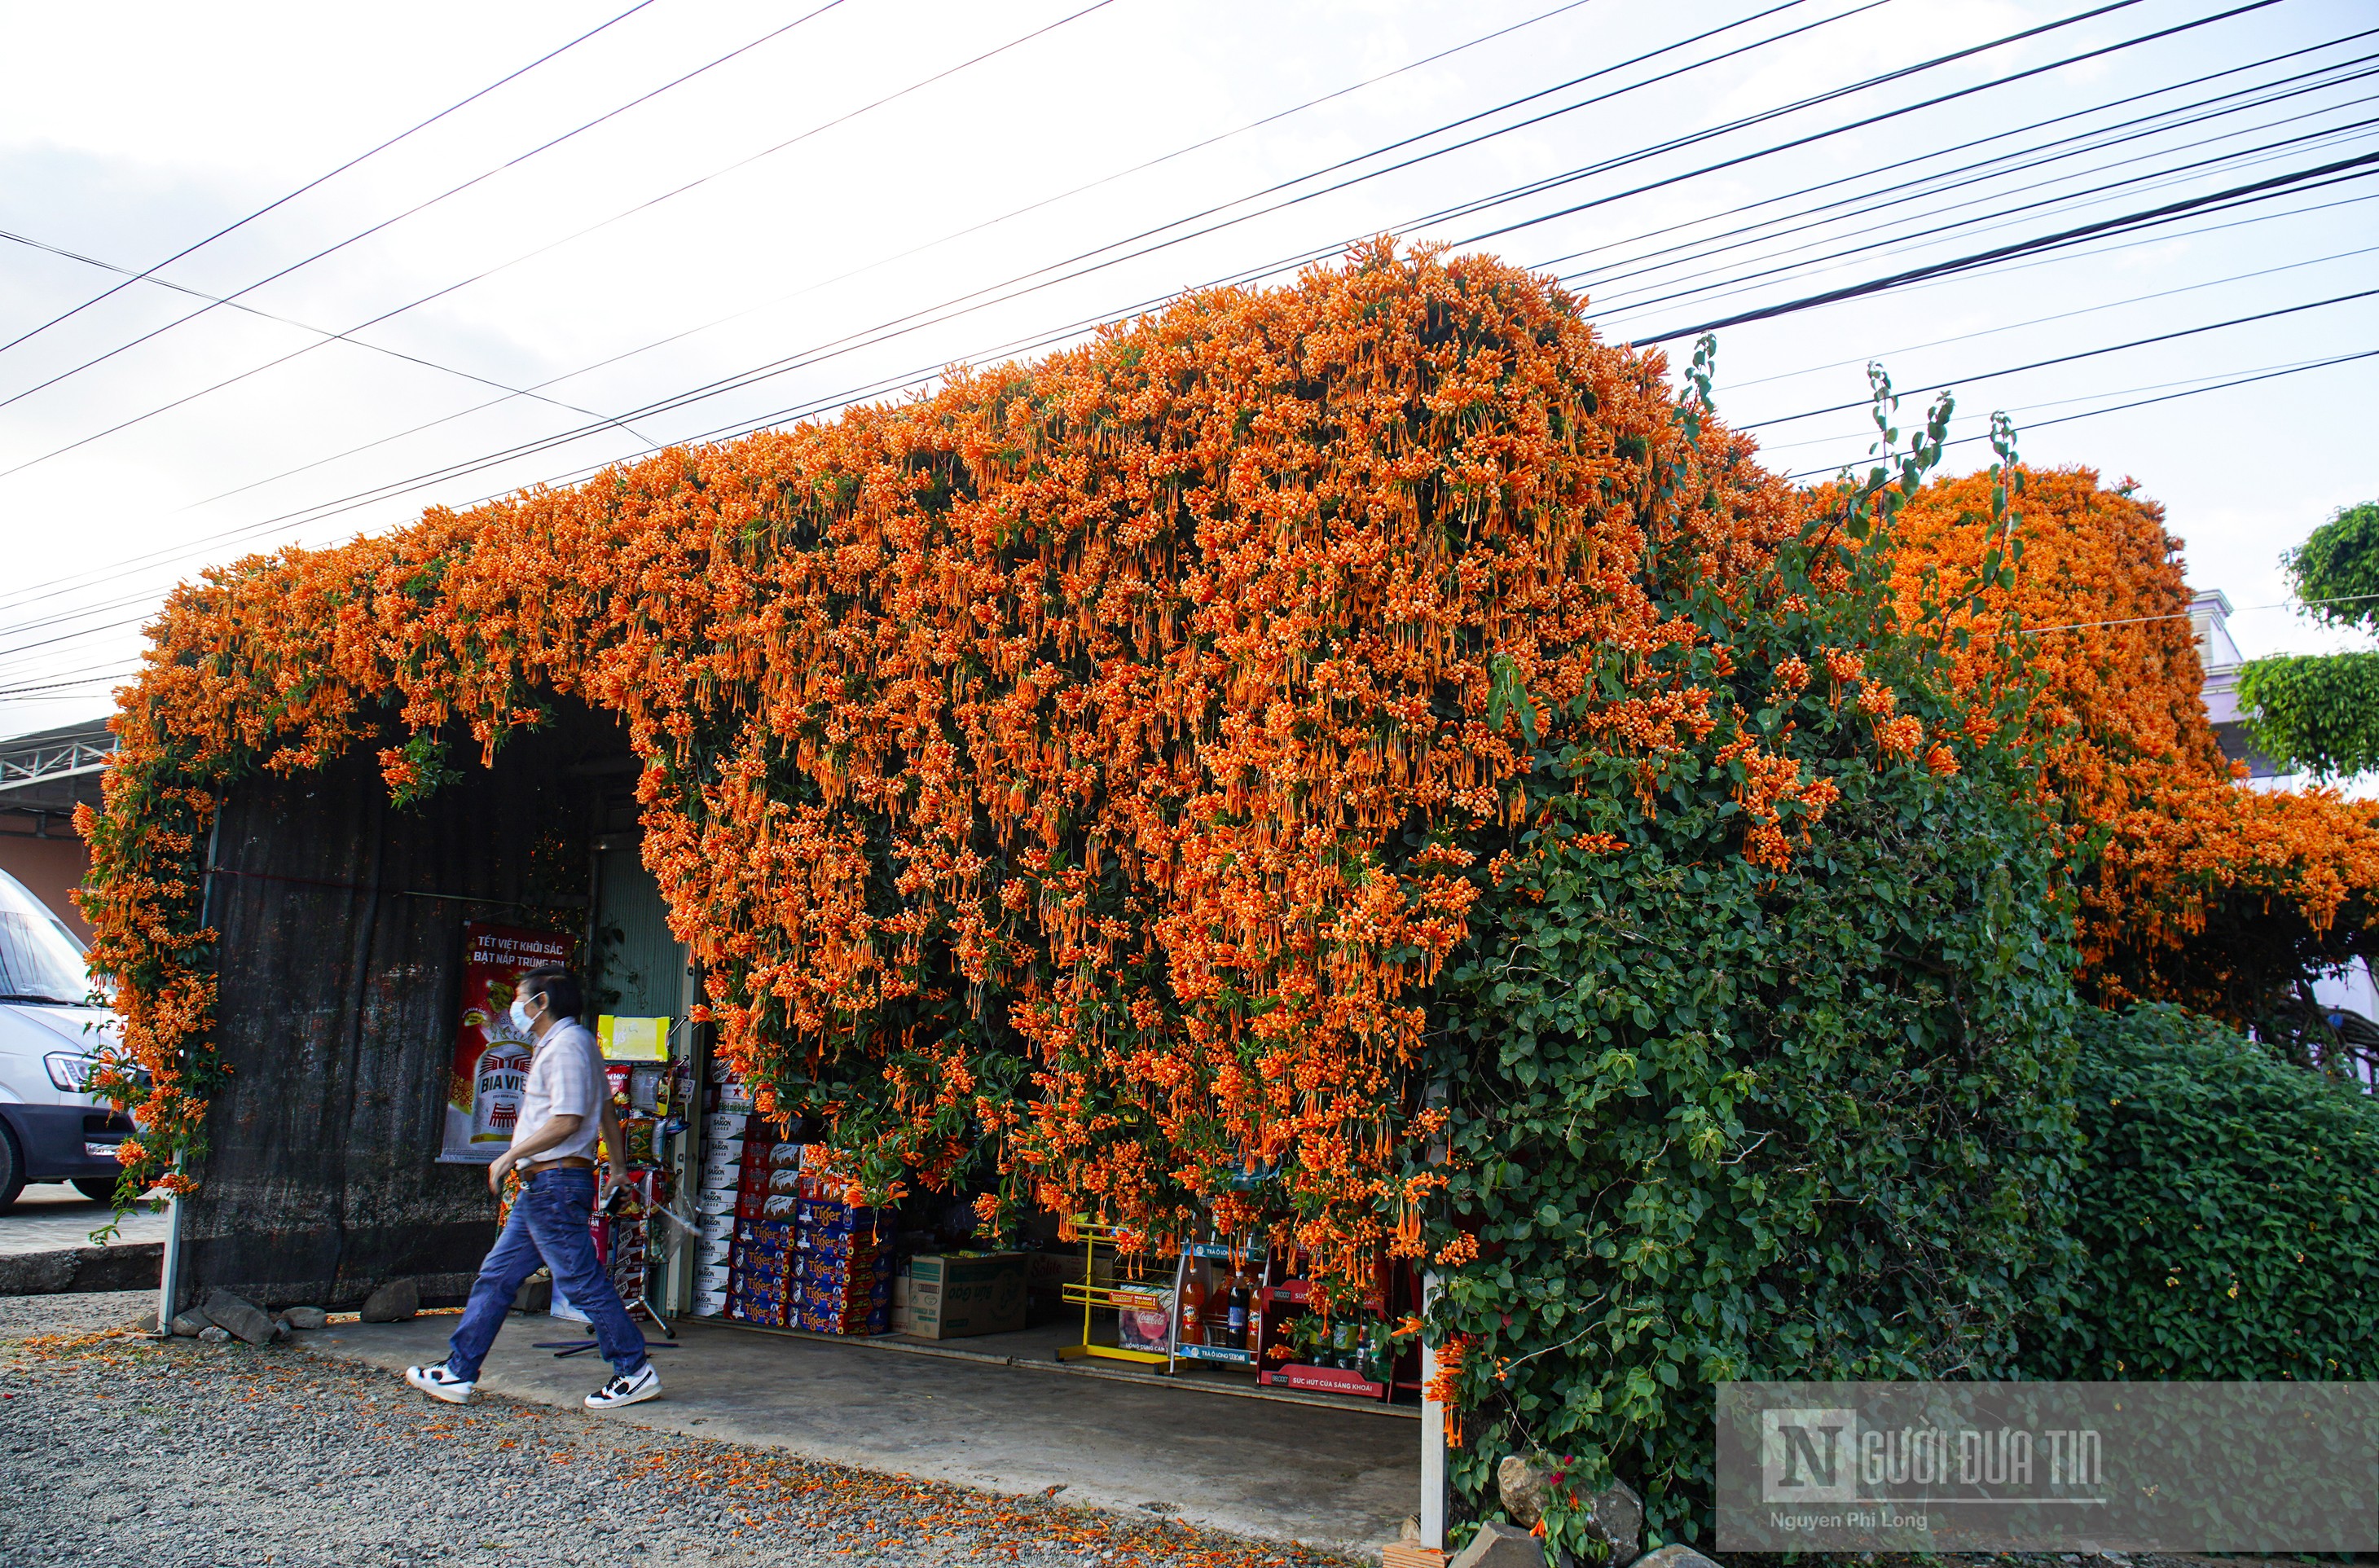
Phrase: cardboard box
(954, 1295)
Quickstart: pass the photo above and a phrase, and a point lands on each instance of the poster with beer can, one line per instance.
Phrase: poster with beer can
(491, 1053)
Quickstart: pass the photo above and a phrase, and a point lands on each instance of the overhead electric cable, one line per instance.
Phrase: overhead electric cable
(2143, 403)
(1982, 170)
(439, 294)
(835, 348)
(2315, 178)
(1736, 283)
(1538, 187)
(368, 153)
(2099, 108)
(425, 205)
(915, 320)
(1732, 387)
(2070, 358)
(131, 277)
(918, 250)
(2262, 88)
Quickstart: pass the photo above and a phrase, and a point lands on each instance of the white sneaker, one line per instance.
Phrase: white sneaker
(632, 1388)
(438, 1384)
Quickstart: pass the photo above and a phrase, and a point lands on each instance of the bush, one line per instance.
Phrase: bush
(2229, 1208)
(1719, 1119)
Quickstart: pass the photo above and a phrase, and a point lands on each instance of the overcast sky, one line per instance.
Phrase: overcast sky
(878, 198)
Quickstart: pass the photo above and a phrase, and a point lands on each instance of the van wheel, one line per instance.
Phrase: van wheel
(12, 1168)
(99, 1190)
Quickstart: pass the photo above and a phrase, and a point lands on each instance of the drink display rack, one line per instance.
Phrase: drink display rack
(1129, 1302)
(1289, 1300)
(1198, 1331)
(1263, 1334)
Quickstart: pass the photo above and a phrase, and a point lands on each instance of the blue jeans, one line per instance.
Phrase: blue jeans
(548, 1225)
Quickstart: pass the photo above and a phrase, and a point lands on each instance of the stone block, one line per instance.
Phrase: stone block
(1615, 1517)
(1500, 1546)
(392, 1303)
(189, 1324)
(305, 1317)
(1520, 1484)
(1675, 1557)
(242, 1317)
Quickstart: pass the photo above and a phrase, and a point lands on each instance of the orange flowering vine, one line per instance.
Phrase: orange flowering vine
(2193, 889)
(1071, 781)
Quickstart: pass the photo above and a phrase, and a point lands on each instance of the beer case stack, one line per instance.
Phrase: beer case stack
(842, 1276)
(760, 1287)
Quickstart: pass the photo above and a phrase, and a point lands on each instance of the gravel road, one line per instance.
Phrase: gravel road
(117, 1450)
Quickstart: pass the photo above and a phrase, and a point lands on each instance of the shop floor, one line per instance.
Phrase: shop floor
(1036, 1348)
(1342, 1478)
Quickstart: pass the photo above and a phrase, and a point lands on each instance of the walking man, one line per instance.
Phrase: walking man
(564, 1105)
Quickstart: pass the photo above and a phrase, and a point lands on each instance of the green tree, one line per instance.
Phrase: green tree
(2319, 712)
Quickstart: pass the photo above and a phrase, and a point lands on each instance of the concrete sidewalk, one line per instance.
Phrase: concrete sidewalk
(1336, 1478)
(53, 1217)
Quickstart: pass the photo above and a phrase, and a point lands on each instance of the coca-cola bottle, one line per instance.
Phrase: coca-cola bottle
(1241, 1298)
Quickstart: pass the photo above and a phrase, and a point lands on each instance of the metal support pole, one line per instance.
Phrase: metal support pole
(1433, 1434)
(169, 1271)
(169, 1268)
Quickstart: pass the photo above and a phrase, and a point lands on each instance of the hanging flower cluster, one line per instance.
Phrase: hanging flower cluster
(2195, 890)
(1082, 771)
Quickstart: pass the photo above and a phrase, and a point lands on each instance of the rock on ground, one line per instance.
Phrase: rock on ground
(1500, 1546)
(392, 1303)
(1673, 1557)
(119, 1449)
(238, 1316)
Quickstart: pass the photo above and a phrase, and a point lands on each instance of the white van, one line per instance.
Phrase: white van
(49, 1130)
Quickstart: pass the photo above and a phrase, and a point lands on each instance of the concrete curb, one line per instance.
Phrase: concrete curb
(133, 1265)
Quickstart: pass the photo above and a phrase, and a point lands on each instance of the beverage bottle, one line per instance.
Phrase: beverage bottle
(1242, 1296)
(1192, 1329)
(1342, 1345)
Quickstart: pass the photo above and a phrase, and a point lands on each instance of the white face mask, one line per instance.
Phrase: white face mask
(523, 1019)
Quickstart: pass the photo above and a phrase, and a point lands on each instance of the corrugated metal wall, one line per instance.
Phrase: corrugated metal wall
(340, 988)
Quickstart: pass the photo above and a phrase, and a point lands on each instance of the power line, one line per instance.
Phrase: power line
(2185, 615)
(191, 249)
(2146, 402)
(1981, 172)
(679, 191)
(950, 309)
(389, 315)
(815, 354)
(1969, 145)
(418, 207)
(1734, 387)
(2313, 178)
(2070, 358)
(882, 332)
(955, 235)
(131, 277)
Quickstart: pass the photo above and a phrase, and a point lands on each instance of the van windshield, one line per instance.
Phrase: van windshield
(41, 960)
